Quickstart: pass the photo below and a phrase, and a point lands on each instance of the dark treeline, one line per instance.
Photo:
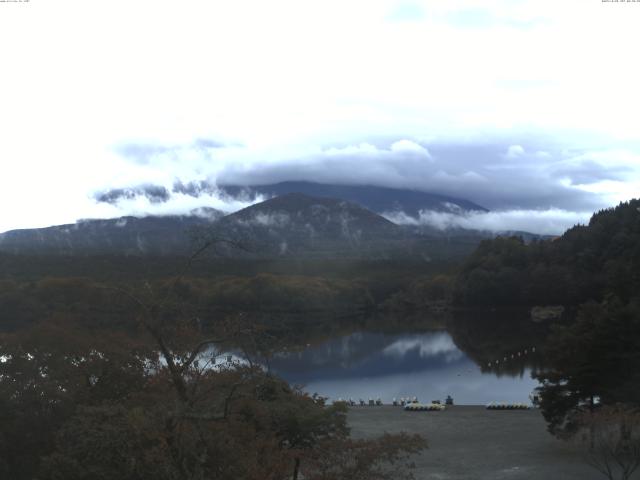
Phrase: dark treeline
(35, 287)
(585, 263)
(97, 303)
(137, 267)
(591, 362)
(591, 357)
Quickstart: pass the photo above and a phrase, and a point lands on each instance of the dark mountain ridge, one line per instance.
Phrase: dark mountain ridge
(152, 235)
(377, 199)
(296, 223)
(290, 225)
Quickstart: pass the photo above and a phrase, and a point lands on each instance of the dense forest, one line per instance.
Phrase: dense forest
(33, 288)
(586, 263)
(591, 356)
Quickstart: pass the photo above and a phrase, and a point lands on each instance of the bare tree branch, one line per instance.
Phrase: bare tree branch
(196, 351)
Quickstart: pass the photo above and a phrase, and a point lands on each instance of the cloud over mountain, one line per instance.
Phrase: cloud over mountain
(544, 222)
(524, 178)
(154, 193)
(478, 102)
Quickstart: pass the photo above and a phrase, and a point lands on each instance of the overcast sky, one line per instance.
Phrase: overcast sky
(527, 107)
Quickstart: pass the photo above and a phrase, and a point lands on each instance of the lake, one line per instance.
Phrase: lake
(425, 364)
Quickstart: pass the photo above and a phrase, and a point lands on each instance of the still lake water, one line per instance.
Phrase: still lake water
(427, 365)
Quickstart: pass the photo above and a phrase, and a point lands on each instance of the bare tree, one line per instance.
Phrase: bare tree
(208, 406)
(611, 439)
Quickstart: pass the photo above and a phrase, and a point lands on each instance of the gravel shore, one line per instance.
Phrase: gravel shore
(470, 442)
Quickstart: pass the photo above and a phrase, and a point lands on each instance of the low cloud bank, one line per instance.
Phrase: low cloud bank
(545, 222)
(501, 174)
(177, 204)
(154, 193)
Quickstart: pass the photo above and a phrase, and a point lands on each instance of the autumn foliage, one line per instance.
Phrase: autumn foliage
(135, 391)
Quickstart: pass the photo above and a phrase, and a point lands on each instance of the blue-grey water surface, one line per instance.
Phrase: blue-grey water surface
(427, 365)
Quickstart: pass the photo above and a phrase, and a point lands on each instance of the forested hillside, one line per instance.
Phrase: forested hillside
(585, 263)
(591, 357)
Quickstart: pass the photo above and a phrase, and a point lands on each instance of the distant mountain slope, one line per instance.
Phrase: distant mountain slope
(151, 235)
(288, 226)
(376, 199)
(299, 224)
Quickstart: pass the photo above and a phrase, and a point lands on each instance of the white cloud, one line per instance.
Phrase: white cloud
(277, 219)
(544, 222)
(282, 78)
(514, 151)
(407, 146)
(404, 163)
(179, 204)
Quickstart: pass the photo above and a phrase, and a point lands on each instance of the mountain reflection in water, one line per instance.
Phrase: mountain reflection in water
(371, 365)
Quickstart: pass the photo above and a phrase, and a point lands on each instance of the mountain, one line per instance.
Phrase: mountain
(153, 235)
(293, 225)
(288, 225)
(377, 199)
(298, 224)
